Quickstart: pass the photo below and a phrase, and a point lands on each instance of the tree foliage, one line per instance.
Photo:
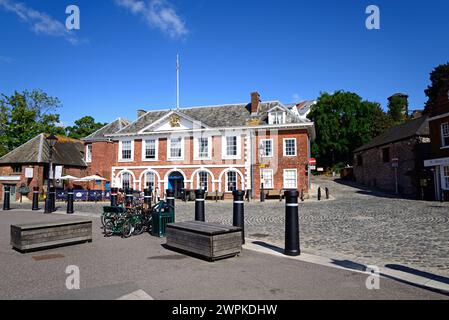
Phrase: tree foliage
(439, 79)
(26, 114)
(397, 109)
(83, 127)
(344, 122)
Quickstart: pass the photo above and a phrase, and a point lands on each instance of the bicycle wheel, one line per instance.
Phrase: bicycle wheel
(127, 229)
(138, 225)
(108, 229)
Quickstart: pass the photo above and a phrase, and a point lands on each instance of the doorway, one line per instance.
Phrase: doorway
(176, 183)
(12, 194)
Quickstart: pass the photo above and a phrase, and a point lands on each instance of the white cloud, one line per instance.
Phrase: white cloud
(40, 22)
(4, 59)
(158, 14)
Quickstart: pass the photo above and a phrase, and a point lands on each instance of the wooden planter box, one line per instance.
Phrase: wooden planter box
(36, 236)
(206, 240)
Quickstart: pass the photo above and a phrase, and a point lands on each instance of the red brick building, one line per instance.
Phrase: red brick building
(220, 148)
(27, 166)
(439, 132)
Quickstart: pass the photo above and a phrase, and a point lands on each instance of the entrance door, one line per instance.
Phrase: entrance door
(176, 183)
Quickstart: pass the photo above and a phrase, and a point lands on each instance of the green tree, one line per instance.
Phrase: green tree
(397, 108)
(343, 122)
(26, 114)
(83, 127)
(439, 79)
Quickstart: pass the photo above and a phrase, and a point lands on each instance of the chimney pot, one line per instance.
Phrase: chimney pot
(140, 113)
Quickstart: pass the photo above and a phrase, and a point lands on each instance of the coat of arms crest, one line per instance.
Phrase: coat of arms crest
(175, 121)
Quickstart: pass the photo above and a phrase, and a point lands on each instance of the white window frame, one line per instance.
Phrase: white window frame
(444, 178)
(262, 177)
(89, 153)
(285, 147)
(144, 149)
(224, 148)
(296, 179)
(444, 135)
(145, 180)
(272, 116)
(196, 148)
(120, 159)
(272, 148)
(169, 157)
(198, 179)
(131, 181)
(227, 181)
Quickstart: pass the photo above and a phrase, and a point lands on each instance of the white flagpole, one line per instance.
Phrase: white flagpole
(177, 82)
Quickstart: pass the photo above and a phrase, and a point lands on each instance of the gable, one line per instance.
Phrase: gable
(174, 121)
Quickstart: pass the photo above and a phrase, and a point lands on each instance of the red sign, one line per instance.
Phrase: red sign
(312, 161)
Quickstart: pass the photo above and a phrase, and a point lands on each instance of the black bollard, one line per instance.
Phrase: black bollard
(147, 197)
(199, 205)
(238, 217)
(327, 193)
(114, 194)
(129, 197)
(35, 199)
(53, 199)
(291, 223)
(6, 198)
(302, 195)
(70, 198)
(170, 197)
(262, 194)
(319, 194)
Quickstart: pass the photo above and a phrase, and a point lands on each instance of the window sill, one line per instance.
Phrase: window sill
(150, 160)
(126, 160)
(175, 159)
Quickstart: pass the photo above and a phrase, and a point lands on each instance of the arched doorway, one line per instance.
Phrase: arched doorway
(176, 183)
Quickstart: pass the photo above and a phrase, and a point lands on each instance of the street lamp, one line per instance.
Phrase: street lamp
(51, 141)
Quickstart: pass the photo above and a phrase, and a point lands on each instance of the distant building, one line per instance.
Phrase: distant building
(438, 161)
(393, 161)
(303, 108)
(27, 165)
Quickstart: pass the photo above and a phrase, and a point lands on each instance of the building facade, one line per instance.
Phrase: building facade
(438, 162)
(218, 148)
(393, 161)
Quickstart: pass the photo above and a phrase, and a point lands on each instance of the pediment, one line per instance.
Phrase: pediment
(174, 121)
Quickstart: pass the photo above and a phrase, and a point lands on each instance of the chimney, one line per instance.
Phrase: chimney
(255, 101)
(140, 113)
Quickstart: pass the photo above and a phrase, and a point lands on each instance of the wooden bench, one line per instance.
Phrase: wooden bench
(215, 195)
(207, 240)
(44, 235)
(275, 193)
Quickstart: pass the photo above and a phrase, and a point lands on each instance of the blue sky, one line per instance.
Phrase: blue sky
(123, 57)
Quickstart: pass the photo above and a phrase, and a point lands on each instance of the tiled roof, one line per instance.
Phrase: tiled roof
(68, 152)
(233, 115)
(412, 128)
(110, 128)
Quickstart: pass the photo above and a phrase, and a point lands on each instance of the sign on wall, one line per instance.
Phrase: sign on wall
(58, 172)
(29, 173)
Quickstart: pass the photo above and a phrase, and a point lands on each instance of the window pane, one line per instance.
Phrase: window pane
(445, 134)
(203, 147)
(126, 180)
(126, 149)
(290, 179)
(446, 176)
(203, 180)
(175, 148)
(231, 146)
(232, 181)
(150, 149)
(267, 176)
(290, 147)
(150, 179)
(267, 148)
(89, 153)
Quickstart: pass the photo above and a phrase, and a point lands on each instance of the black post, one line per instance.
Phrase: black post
(70, 198)
(128, 197)
(238, 217)
(170, 197)
(327, 193)
(53, 199)
(319, 193)
(6, 198)
(35, 199)
(199, 205)
(291, 223)
(262, 194)
(302, 195)
(147, 196)
(114, 192)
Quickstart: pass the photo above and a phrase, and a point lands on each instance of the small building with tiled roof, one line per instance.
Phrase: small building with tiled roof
(27, 165)
(393, 161)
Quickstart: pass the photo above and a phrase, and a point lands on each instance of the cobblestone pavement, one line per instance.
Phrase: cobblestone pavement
(363, 226)
(359, 225)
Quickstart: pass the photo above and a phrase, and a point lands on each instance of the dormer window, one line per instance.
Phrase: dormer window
(276, 117)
